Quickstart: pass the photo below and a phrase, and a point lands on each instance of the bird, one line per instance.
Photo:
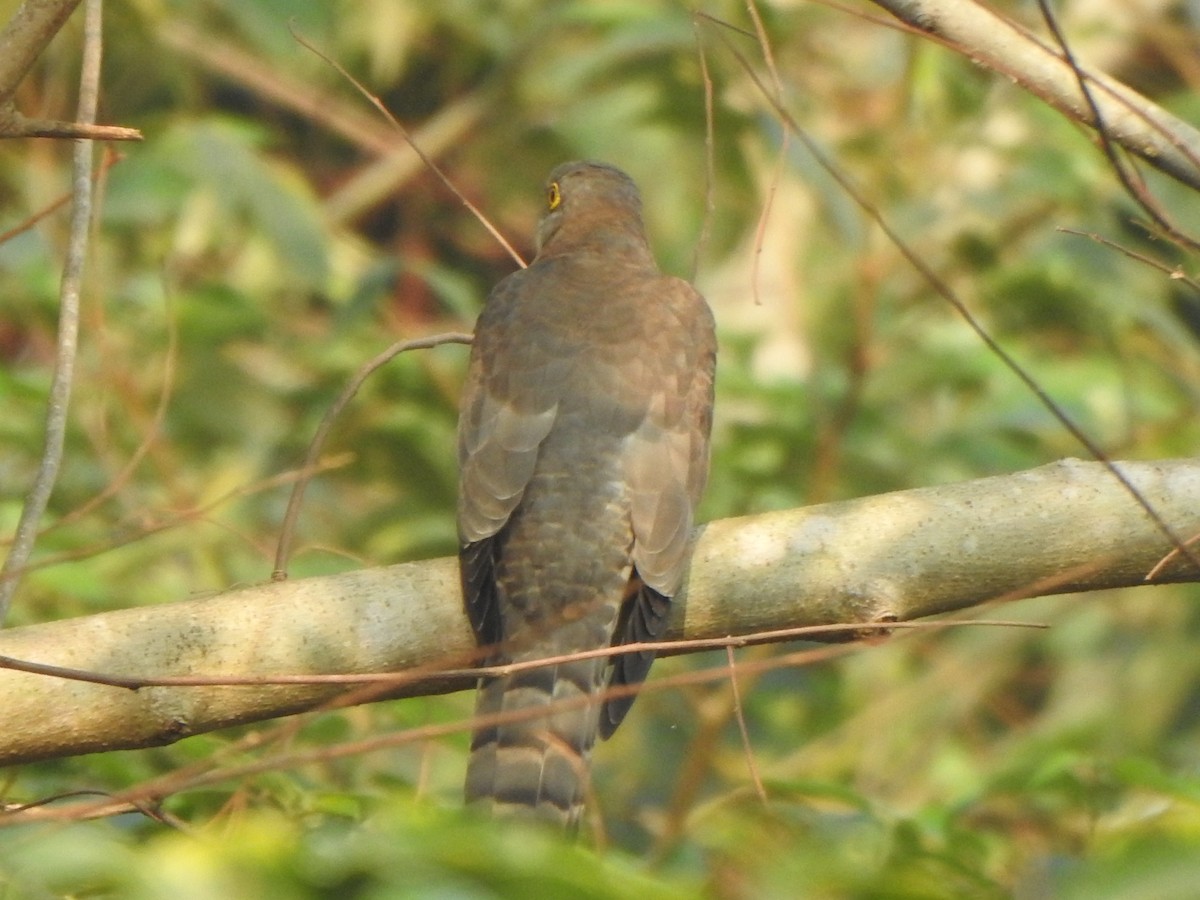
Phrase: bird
(583, 450)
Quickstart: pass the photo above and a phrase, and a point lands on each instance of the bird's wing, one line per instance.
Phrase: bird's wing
(666, 466)
(509, 405)
(666, 457)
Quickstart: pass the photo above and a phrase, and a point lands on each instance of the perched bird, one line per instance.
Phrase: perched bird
(583, 450)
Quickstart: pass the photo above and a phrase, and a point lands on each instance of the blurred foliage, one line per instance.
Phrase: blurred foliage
(238, 278)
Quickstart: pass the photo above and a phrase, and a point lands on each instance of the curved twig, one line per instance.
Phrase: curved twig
(288, 528)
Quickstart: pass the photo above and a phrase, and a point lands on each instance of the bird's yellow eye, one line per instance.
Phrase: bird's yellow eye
(553, 196)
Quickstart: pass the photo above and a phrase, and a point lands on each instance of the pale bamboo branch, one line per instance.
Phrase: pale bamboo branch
(997, 43)
(1069, 526)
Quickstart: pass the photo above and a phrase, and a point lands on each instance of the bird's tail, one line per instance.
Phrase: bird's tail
(524, 763)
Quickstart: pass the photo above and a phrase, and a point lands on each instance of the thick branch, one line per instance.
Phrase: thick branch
(1059, 528)
(1137, 124)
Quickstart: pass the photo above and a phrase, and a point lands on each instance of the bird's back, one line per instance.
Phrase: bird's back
(583, 445)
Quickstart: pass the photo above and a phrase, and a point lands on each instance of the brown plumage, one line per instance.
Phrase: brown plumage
(583, 450)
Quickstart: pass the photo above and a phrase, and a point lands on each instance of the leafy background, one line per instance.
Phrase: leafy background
(243, 268)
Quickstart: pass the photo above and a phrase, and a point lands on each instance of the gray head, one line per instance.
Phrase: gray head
(590, 205)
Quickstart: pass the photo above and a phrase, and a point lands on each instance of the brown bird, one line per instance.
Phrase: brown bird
(583, 451)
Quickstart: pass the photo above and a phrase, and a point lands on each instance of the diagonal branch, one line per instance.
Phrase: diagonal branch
(24, 38)
(997, 43)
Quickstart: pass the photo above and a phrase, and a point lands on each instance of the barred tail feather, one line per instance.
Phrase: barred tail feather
(537, 765)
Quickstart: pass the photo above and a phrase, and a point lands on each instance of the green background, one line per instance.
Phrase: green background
(235, 284)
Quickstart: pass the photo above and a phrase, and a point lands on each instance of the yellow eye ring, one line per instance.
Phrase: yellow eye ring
(553, 196)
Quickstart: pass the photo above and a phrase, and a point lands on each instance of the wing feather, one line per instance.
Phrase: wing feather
(509, 406)
(665, 464)
(666, 457)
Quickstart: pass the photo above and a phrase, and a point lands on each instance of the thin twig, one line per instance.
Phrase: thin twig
(121, 478)
(15, 125)
(710, 175)
(433, 167)
(1173, 272)
(68, 323)
(49, 560)
(116, 807)
(111, 158)
(288, 528)
(738, 714)
(395, 679)
(251, 71)
(203, 774)
(764, 217)
(1125, 173)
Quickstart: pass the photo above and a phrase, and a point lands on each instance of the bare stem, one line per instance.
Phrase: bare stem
(68, 324)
